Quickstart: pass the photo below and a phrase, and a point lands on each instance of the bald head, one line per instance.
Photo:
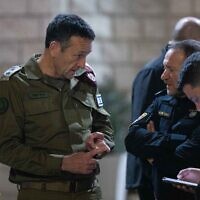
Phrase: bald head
(187, 28)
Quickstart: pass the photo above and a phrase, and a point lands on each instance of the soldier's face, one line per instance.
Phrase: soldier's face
(67, 61)
(193, 93)
(172, 63)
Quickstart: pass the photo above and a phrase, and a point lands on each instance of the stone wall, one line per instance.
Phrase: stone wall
(129, 32)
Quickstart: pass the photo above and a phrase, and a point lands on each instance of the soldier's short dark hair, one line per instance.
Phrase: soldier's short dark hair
(64, 26)
(190, 72)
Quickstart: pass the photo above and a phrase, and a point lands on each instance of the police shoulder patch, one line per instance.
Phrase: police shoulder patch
(6, 75)
(3, 105)
(141, 117)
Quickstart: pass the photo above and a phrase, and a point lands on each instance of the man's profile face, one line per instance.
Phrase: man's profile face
(172, 63)
(67, 61)
(193, 93)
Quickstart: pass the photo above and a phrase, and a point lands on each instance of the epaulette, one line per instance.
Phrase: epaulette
(161, 93)
(9, 72)
(86, 74)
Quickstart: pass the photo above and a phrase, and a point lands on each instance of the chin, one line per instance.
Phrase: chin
(169, 92)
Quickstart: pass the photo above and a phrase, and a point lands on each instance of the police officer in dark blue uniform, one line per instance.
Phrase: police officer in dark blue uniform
(166, 125)
(138, 171)
(145, 85)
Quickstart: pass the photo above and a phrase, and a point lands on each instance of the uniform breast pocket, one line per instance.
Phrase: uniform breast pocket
(39, 106)
(83, 109)
(40, 113)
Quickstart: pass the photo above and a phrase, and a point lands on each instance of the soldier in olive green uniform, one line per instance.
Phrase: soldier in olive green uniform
(53, 125)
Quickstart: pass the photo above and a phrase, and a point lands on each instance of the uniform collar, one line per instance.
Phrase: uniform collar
(32, 68)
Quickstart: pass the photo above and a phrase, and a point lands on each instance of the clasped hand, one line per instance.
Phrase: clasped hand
(85, 162)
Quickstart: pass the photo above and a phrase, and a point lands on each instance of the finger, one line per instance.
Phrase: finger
(98, 135)
(93, 152)
(149, 127)
(152, 127)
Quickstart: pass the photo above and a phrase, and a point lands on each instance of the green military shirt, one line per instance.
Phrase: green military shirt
(43, 118)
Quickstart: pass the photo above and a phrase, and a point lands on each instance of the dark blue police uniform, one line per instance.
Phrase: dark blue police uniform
(145, 85)
(174, 118)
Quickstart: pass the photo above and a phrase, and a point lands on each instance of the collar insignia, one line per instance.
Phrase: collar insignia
(164, 114)
(91, 77)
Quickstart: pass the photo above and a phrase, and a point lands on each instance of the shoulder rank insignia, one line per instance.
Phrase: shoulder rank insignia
(141, 117)
(86, 74)
(10, 71)
(91, 77)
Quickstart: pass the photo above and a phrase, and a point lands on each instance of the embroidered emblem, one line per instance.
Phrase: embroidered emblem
(164, 114)
(38, 95)
(91, 77)
(99, 100)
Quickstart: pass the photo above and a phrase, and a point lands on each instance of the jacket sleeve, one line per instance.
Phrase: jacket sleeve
(101, 123)
(146, 144)
(142, 142)
(13, 150)
(189, 150)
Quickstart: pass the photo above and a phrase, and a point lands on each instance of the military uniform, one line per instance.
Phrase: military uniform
(41, 120)
(171, 145)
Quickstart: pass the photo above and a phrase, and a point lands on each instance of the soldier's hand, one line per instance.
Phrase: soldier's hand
(96, 141)
(102, 146)
(80, 163)
(92, 139)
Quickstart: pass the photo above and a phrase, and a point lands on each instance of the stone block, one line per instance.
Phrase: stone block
(183, 7)
(116, 7)
(96, 54)
(80, 6)
(124, 76)
(197, 7)
(154, 28)
(100, 24)
(10, 7)
(126, 28)
(19, 28)
(145, 51)
(114, 51)
(148, 7)
(9, 52)
(45, 7)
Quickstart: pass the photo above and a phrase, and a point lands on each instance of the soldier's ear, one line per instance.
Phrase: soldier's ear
(54, 48)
